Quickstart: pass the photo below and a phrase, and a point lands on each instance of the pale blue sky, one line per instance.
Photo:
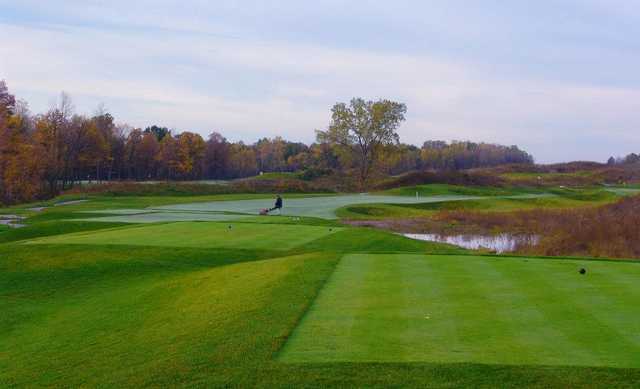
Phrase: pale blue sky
(560, 78)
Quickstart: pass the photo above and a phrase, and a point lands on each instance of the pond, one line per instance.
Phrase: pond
(501, 243)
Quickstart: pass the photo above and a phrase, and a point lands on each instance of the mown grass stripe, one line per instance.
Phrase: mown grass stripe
(482, 310)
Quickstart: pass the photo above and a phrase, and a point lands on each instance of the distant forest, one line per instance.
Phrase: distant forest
(43, 154)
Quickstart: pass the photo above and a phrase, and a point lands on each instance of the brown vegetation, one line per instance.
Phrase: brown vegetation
(607, 231)
(174, 188)
(611, 230)
(466, 178)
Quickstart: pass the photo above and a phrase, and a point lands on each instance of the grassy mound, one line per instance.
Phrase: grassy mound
(485, 199)
(134, 317)
(445, 189)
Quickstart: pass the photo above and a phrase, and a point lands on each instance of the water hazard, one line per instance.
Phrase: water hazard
(501, 243)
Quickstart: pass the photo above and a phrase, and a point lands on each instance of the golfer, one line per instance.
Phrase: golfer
(278, 205)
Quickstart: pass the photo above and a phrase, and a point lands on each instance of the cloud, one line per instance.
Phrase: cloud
(210, 76)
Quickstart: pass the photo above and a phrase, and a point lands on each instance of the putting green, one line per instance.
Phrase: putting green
(321, 207)
(201, 235)
(416, 308)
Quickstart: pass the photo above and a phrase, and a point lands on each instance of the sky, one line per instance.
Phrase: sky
(559, 78)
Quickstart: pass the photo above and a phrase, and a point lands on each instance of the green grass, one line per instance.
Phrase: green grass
(586, 194)
(130, 320)
(158, 217)
(51, 228)
(318, 207)
(365, 240)
(517, 204)
(445, 189)
(381, 211)
(200, 234)
(414, 308)
(554, 199)
(527, 175)
(196, 304)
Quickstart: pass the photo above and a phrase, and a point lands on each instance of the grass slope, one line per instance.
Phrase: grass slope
(492, 201)
(412, 308)
(446, 189)
(201, 234)
(130, 320)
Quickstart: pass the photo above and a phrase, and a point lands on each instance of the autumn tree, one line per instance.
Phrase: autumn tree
(242, 161)
(168, 157)
(44, 154)
(147, 155)
(132, 154)
(217, 156)
(86, 150)
(467, 155)
(271, 154)
(117, 166)
(105, 125)
(396, 159)
(362, 127)
(159, 132)
(190, 155)
(51, 135)
(20, 171)
(7, 100)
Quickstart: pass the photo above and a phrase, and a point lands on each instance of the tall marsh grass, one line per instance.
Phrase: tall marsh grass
(611, 230)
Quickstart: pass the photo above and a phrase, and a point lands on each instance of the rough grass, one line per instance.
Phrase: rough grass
(562, 199)
(461, 178)
(445, 189)
(381, 211)
(493, 200)
(609, 230)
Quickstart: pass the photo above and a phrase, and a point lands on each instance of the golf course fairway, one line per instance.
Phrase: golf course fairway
(200, 234)
(416, 308)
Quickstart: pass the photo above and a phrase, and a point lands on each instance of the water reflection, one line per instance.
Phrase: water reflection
(500, 243)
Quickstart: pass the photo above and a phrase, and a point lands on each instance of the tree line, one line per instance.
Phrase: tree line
(629, 159)
(43, 154)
